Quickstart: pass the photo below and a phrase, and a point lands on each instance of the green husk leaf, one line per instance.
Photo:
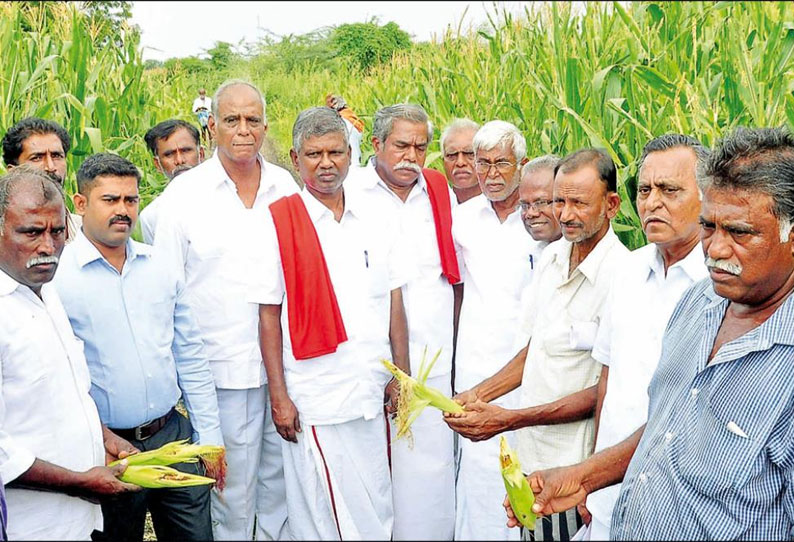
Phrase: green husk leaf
(518, 491)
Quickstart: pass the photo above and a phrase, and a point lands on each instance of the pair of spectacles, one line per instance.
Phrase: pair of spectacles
(484, 168)
(536, 206)
(453, 156)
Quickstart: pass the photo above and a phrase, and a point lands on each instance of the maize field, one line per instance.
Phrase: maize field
(613, 76)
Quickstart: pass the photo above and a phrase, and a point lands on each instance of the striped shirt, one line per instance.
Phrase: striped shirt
(717, 455)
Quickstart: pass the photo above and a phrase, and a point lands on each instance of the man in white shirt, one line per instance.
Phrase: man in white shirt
(560, 324)
(53, 447)
(459, 158)
(498, 258)
(644, 293)
(207, 223)
(202, 106)
(43, 144)
(175, 149)
(393, 183)
(329, 407)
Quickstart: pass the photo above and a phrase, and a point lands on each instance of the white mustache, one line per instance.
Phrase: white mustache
(724, 265)
(41, 260)
(408, 165)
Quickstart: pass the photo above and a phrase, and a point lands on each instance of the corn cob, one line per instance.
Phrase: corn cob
(158, 476)
(518, 491)
(415, 395)
(179, 451)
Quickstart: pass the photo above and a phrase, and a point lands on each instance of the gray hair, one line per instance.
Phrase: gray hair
(500, 133)
(226, 85)
(385, 117)
(457, 125)
(758, 160)
(26, 174)
(317, 121)
(547, 161)
(672, 141)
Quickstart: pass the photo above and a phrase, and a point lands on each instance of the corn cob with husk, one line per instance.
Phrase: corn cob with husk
(159, 476)
(179, 451)
(415, 395)
(518, 491)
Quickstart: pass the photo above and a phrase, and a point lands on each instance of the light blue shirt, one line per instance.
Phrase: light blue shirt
(142, 345)
(716, 460)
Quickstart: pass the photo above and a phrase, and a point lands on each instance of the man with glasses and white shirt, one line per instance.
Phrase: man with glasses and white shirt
(499, 259)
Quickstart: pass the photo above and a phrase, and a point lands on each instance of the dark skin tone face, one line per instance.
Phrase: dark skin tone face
(240, 127)
(177, 153)
(322, 162)
(536, 195)
(33, 234)
(44, 152)
(407, 142)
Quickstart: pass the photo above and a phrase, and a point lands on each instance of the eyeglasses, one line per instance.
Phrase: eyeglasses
(453, 156)
(483, 168)
(536, 206)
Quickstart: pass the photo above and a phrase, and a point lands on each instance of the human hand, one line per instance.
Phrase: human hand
(465, 397)
(285, 417)
(104, 482)
(557, 490)
(117, 447)
(584, 513)
(480, 421)
(391, 396)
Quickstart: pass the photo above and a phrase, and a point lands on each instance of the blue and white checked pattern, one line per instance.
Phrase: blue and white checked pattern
(716, 461)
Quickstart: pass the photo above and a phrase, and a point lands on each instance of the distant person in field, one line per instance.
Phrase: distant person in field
(202, 106)
(328, 386)
(459, 158)
(175, 148)
(143, 348)
(43, 144)
(207, 223)
(355, 126)
(420, 201)
(53, 447)
(558, 328)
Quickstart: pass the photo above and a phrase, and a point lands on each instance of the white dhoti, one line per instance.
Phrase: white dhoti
(423, 477)
(479, 488)
(338, 483)
(242, 416)
(271, 490)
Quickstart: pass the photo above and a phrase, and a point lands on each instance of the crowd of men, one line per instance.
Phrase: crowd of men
(649, 393)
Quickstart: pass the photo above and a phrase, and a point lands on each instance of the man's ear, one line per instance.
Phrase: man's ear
(376, 144)
(157, 164)
(294, 157)
(201, 154)
(80, 203)
(211, 125)
(613, 204)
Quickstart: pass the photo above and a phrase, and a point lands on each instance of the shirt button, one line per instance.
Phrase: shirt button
(694, 392)
(668, 436)
(151, 405)
(642, 477)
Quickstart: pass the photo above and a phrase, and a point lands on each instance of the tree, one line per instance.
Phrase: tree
(367, 44)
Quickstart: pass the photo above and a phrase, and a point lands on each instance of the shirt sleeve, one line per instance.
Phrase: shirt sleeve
(265, 275)
(15, 459)
(194, 375)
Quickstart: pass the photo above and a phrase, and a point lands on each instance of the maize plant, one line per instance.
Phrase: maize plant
(415, 395)
(159, 476)
(518, 491)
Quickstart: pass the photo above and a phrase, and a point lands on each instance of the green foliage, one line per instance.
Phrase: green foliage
(367, 44)
(221, 55)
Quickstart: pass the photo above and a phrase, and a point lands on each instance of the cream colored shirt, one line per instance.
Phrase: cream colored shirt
(562, 320)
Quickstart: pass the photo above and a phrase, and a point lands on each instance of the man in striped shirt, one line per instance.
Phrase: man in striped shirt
(716, 459)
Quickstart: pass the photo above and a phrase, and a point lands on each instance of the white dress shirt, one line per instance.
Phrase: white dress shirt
(211, 237)
(629, 341)
(499, 260)
(562, 320)
(365, 263)
(148, 220)
(428, 296)
(199, 102)
(45, 413)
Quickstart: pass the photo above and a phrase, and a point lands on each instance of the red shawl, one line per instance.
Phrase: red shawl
(438, 190)
(315, 323)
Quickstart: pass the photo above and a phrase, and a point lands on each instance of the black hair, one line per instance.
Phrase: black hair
(165, 129)
(19, 132)
(591, 157)
(104, 163)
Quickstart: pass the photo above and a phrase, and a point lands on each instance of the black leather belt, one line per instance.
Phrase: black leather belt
(146, 430)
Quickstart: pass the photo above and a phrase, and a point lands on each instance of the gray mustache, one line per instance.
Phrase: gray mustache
(408, 165)
(41, 260)
(724, 265)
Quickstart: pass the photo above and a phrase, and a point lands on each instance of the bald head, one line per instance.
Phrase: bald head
(34, 184)
(236, 85)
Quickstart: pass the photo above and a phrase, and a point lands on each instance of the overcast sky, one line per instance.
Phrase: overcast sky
(179, 29)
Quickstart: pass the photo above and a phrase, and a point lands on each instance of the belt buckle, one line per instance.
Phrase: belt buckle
(139, 435)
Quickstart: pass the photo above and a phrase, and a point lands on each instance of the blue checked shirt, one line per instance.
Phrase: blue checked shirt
(142, 345)
(716, 461)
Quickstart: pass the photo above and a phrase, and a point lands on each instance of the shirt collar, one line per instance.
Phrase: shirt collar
(317, 210)
(7, 285)
(85, 252)
(372, 179)
(692, 264)
(590, 265)
(219, 175)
